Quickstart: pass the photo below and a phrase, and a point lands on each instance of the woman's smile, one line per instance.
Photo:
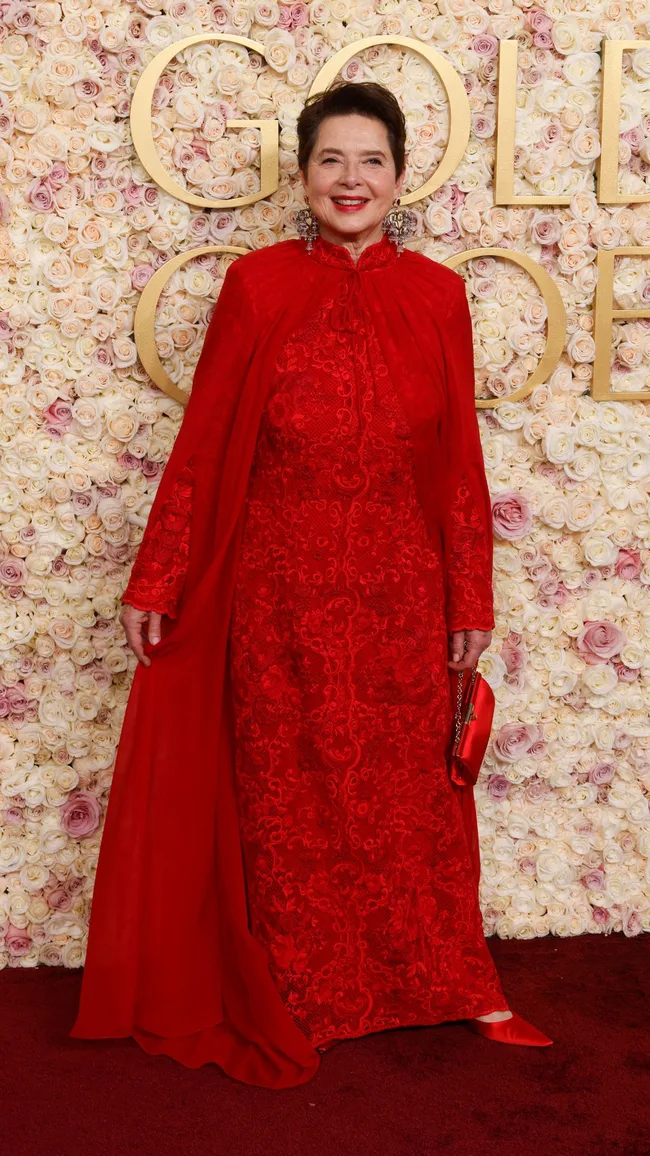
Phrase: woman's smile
(351, 153)
(349, 204)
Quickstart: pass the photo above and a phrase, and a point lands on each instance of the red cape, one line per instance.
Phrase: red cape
(170, 959)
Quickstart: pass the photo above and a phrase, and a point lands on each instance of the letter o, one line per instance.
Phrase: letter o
(145, 316)
(142, 134)
(459, 110)
(555, 327)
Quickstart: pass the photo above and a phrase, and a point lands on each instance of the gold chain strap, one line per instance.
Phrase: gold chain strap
(458, 720)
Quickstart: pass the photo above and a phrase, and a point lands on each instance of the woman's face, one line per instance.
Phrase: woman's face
(350, 180)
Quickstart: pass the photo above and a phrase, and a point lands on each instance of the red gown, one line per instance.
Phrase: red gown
(359, 884)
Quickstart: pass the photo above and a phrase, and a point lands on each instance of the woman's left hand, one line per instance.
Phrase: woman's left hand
(467, 646)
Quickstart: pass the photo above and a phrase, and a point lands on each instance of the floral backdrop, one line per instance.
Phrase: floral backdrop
(563, 795)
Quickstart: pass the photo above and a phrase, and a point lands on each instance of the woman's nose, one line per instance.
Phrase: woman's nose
(350, 175)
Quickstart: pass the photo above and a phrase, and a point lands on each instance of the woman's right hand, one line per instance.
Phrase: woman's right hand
(140, 626)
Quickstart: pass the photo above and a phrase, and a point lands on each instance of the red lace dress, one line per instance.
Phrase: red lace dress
(358, 876)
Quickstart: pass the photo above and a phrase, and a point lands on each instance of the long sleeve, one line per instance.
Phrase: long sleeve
(158, 574)
(161, 567)
(467, 514)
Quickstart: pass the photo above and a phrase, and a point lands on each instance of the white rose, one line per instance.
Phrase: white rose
(599, 550)
(561, 682)
(600, 680)
(558, 445)
(280, 49)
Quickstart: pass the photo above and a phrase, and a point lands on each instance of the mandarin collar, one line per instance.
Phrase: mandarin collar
(372, 257)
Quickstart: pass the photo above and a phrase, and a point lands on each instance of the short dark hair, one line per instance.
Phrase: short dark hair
(344, 98)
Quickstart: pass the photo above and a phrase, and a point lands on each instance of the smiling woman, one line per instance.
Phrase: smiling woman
(351, 161)
(318, 556)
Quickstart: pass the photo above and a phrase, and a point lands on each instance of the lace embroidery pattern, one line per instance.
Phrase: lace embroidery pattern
(157, 577)
(358, 877)
(471, 605)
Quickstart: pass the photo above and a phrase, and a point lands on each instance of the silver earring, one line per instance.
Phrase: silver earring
(306, 226)
(399, 225)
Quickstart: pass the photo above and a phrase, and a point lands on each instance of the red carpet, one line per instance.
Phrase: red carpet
(417, 1092)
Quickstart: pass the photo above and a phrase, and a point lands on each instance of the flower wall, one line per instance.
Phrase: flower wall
(563, 796)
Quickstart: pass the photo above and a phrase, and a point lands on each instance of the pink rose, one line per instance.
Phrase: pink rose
(60, 567)
(485, 45)
(632, 923)
(58, 175)
(151, 196)
(151, 469)
(600, 641)
(118, 554)
(634, 137)
(13, 572)
(546, 230)
(87, 89)
(539, 21)
(39, 195)
(220, 18)
(23, 19)
(514, 740)
(58, 898)
(58, 415)
(299, 14)
(351, 71)
(498, 786)
(511, 515)
(600, 915)
(129, 461)
(17, 699)
(18, 941)
(594, 880)
(552, 134)
(12, 816)
(221, 224)
(536, 790)
(84, 504)
(601, 773)
(140, 274)
(628, 563)
(132, 193)
(199, 227)
(590, 578)
(626, 673)
(80, 815)
(513, 658)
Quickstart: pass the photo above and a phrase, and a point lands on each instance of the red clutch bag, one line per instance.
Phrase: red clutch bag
(474, 712)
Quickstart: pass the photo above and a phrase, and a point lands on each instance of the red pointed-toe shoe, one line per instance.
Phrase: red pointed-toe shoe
(513, 1031)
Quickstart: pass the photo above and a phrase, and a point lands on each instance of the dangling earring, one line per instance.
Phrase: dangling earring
(306, 225)
(399, 224)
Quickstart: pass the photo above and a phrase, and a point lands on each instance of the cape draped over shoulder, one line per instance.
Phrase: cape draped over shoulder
(170, 958)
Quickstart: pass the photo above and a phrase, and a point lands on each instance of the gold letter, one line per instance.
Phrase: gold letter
(504, 169)
(603, 317)
(610, 123)
(555, 327)
(459, 110)
(145, 316)
(142, 134)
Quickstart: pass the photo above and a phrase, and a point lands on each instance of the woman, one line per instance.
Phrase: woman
(284, 863)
